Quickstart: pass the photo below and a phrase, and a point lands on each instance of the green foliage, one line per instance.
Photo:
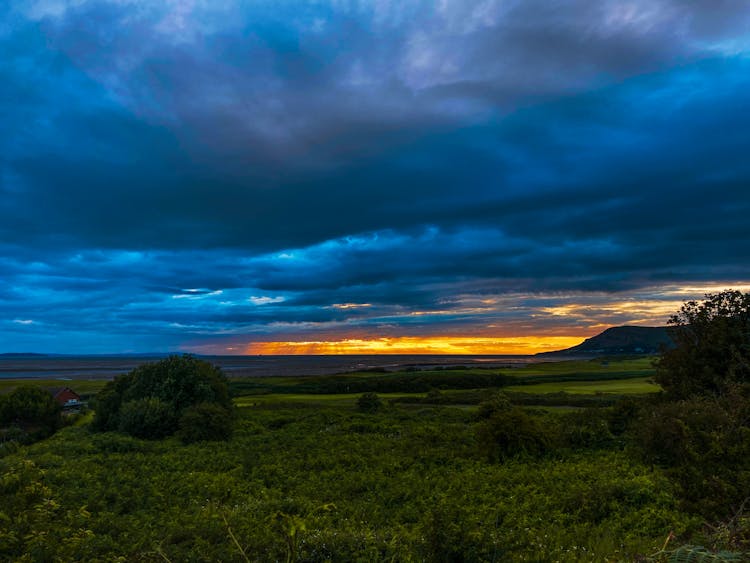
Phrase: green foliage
(511, 433)
(205, 421)
(497, 402)
(369, 402)
(712, 352)
(29, 405)
(700, 432)
(149, 418)
(400, 382)
(699, 554)
(623, 413)
(406, 483)
(587, 428)
(34, 526)
(704, 445)
(27, 414)
(149, 401)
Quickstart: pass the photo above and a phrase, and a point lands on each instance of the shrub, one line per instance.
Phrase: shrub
(512, 433)
(700, 432)
(205, 421)
(588, 428)
(369, 402)
(497, 402)
(149, 418)
(30, 406)
(704, 446)
(150, 400)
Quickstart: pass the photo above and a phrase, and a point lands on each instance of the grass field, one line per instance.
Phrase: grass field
(643, 365)
(629, 386)
(575, 377)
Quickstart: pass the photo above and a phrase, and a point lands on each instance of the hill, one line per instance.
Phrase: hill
(13, 355)
(620, 340)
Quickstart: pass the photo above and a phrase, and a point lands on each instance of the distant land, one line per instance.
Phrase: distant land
(22, 355)
(618, 341)
(615, 341)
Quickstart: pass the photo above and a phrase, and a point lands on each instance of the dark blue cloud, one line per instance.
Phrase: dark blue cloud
(183, 170)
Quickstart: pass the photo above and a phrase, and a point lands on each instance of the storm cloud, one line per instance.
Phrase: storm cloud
(184, 172)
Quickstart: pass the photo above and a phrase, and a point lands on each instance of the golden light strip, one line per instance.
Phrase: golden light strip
(418, 345)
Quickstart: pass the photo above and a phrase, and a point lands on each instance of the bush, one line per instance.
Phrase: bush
(700, 431)
(31, 407)
(149, 418)
(704, 446)
(205, 421)
(498, 402)
(369, 402)
(150, 400)
(588, 428)
(512, 433)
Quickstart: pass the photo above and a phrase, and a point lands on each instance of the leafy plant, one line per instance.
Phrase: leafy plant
(205, 421)
(149, 401)
(369, 402)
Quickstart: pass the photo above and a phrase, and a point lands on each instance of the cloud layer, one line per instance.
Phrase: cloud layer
(208, 174)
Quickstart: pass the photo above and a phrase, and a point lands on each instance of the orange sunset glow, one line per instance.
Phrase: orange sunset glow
(418, 345)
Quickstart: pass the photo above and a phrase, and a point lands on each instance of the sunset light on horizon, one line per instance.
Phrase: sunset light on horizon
(418, 345)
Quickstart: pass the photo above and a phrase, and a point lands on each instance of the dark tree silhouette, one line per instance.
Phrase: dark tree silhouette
(712, 347)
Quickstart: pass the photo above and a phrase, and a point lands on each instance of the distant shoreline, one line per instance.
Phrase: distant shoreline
(107, 367)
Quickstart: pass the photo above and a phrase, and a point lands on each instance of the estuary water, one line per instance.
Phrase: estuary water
(107, 367)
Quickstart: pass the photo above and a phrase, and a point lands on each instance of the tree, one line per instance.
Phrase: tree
(149, 401)
(712, 347)
(369, 402)
(30, 406)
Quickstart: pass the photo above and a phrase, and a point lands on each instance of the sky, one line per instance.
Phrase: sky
(343, 176)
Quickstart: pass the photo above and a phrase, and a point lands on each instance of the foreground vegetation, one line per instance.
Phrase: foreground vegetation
(318, 484)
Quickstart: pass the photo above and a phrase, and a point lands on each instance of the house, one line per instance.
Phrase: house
(66, 397)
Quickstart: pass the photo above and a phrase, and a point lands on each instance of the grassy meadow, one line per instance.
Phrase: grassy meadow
(309, 476)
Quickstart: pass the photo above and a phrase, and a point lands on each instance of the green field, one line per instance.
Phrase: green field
(642, 365)
(315, 483)
(308, 475)
(638, 385)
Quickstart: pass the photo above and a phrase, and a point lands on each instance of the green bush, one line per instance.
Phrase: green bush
(369, 402)
(588, 428)
(149, 418)
(150, 400)
(31, 407)
(205, 422)
(704, 446)
(497, 402)
(512, 433)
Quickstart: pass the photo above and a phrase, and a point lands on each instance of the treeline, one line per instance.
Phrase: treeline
(477, 396)
(412, 382)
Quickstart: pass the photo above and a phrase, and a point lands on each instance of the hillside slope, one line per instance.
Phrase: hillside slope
(620, 340)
